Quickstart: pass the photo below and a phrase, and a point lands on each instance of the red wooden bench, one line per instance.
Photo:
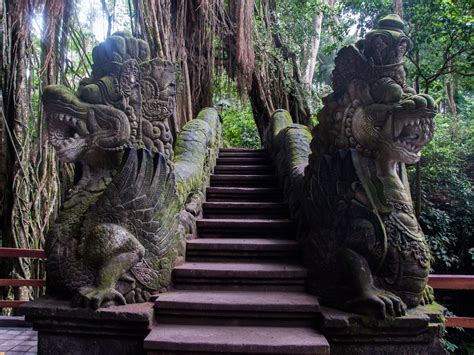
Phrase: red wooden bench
(20, 253)
(454, 282)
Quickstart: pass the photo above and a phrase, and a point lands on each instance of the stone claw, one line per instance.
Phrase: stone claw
(379, 304)
(95, 298)
(428, 296)
(394, 305)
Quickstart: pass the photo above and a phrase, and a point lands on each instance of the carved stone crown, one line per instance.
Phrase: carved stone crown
(124, 76)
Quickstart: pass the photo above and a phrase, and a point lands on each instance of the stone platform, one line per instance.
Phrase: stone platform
(419, 332)
(63, 329)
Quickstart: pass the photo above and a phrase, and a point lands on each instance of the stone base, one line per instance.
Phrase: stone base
(419, 332)
(63, 329)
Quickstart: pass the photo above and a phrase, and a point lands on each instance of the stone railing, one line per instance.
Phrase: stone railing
(196, 150)
(289, 146)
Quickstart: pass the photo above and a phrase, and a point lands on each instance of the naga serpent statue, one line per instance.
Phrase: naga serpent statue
(365, 250)
(114, 238)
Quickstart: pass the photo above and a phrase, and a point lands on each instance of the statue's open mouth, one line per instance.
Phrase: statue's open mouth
(66, 133)
(413, 133)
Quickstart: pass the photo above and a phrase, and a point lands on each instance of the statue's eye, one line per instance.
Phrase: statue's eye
(379, 120)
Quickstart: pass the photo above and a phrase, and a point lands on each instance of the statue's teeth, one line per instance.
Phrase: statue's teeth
(76, 135)
(398, 126)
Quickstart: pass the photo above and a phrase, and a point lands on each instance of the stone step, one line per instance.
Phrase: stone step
(238, 150)
(250, 154)
(245, 228)
(244, 169)
(248, 210)
(200, 339)
(216, 194)
(239, 276)
(243, 161)
(237, 308)
(235, 249)
(234, 180)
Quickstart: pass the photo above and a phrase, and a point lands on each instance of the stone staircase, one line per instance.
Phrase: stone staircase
(241, 289)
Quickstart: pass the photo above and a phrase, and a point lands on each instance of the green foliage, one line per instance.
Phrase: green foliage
(239, 128)
(458, 340)
(441, 45)
(294, 24)
(448, 195)
(368, 12)
(238, 124)
(449, 31)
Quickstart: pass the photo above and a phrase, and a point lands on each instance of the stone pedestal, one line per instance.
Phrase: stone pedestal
(419, 332)
(63, 329)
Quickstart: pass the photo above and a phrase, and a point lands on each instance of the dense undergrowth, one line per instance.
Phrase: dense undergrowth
(239, 128)
(447, 214)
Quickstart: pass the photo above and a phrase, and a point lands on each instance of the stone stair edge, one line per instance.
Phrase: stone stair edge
(237, 339)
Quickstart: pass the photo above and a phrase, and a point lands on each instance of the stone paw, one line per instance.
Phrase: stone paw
(428, 296)
(91, 297)
(379, 304)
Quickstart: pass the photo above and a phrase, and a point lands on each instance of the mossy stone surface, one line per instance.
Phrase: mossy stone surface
(196, 149)
(279, 120)
(289, 146)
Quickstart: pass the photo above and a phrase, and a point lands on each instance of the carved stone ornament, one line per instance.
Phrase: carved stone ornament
(365, 249)
(116, 228)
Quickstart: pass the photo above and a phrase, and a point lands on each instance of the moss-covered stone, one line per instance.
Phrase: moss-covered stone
(289, 146)
(196, 149)
(294, 140)
(190, 156)
(210, 116)
(279, 120)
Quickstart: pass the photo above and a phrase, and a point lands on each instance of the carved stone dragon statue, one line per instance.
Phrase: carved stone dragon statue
(365, 249)
(115, 237)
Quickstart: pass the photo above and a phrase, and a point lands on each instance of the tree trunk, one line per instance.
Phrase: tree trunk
(450, 87)
(110, 16)
(182, 32)
(31, 182)
(272, 87)
(313, 55)
(16, 100)
(416, 84)
(4, 62)
(416, 81)
(397, 7)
